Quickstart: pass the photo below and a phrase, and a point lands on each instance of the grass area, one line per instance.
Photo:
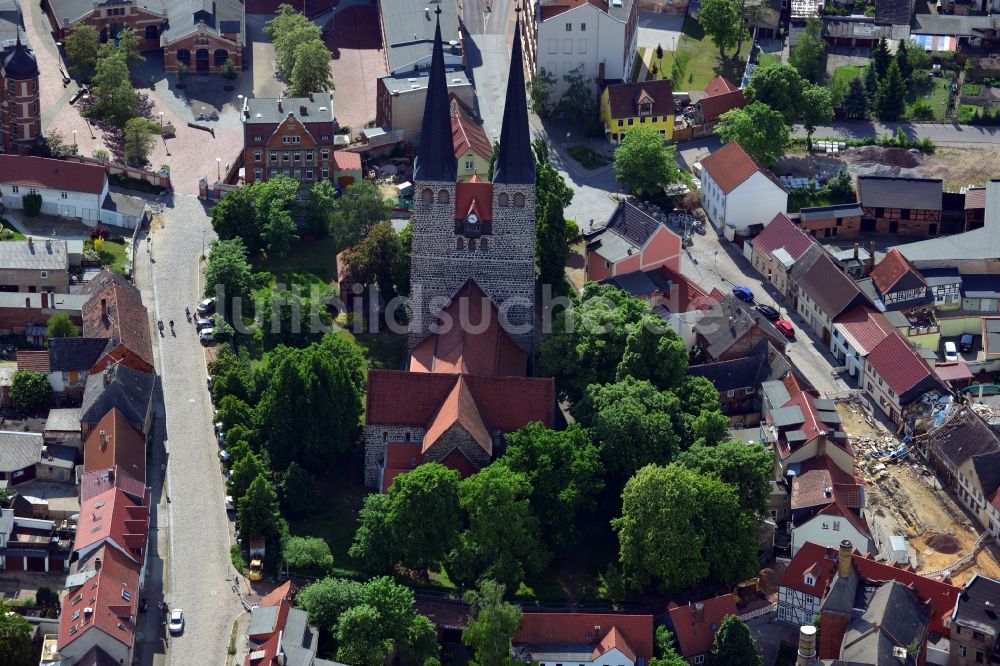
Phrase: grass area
(112, 254)
(967, 112)
(9, 233)
(586, 156)
(384, 350)
(237, 557)
(805, 199)
(767, 59)
(937, 97)
(703, 62)
(971, 89)
(232, 637)
(840, 82)
(310, 264)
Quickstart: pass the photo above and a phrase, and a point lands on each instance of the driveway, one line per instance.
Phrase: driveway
(658, 29)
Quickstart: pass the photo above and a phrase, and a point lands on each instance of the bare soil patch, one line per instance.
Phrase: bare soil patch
(961, 167)
(944, 543)
(897, 157)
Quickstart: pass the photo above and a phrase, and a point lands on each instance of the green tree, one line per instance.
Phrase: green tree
(30, 391)
(666, 653)
(234, 411)
(759, 129)
(880, 57)
(890, 98)
(357, 211)
(565, 472)
(421, 642)
(856, 101)
(703, 420)
(15, 638)
(746, 467)
(260, 214)
(681, 527)
(293, 320)
(115, 100)
(60, 326)
(871, 82)
(722, 21)
(372, 544)
(424, 517)
(642, 163)
(360, 638)
(244, 472)
(287, 30)
(809, 56)
(319, 204)
(229, 71)
(280, 231)
(138, 141)
(903, 59)
(733, 645)
(298, 495)
(550, 240)
(577, 102)
(307, 555)
(82, 46)
(228, 272)
(128, 46)
(817, 109)
(311, 72)
(779, 87)
(258, 510)
(234, 218)
(379, 259)
(502, 541)
(539, 89)
(492, 624)
(326, 599)
(653, 351)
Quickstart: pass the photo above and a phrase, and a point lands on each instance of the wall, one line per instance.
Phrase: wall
(921, 222)
(15, 320)
(31, 280)
(203, 40)
(134, 17)
(82, 205)
(662, 249)
(560, 51)
(816, 318)
(796, 607)
(952, 326)
(405, 111)
(156, 178)
(376, 437)
(315, 155)
(845, 227)
(880, 394)
(755, 201)
(480, 166)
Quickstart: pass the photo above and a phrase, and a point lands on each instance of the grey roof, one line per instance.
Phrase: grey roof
(987, 466)
(843, 594)
(636, 283)
(299, 640)
(129, 391)
(963, 436)
(435, 160)
(794, 436)
(829, 212)
(829, 418)
(981, 286)
(404, 82)
(65, 419)
(765, 363)
(611, 246)
(38, 255)
(183, 18)
(911, 193)
(894, 619)
(75, 354)
(102, 279)
(262, 620)
(19, 450)
(896, 318)
(992, 333)
(72, 10)
(825, 405)
(515, 160)
(273, 110)
(59, 455)
(861, 27)
(893, 12)
(981, 243)
(806, 261)
(632, 223)
(844, 255)
(941, 276)
(775, 392)
(124, 204)
(978, 605)
(784, 417)
(954, 25)
(727, 322)
(409, 30)
(832, 291)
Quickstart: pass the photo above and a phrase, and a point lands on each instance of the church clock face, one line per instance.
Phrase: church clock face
(472, 219)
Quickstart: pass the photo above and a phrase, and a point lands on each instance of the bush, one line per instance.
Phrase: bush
(921, 111)
(237, 558)
(572, 231)
(32, 204)
(100, 231)
(971, 89)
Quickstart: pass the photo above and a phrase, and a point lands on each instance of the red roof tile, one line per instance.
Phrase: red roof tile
(891, 269)
(114, 517)
(99, 481)
(714, 106)
(614, 640)
(898, 363)
(52, 174)
(783, 233)
(345, 160)
(265, 654)
(818, 560)
(550, 10)
(975, 197)
(116, 312)
(825, 462)
(458, 409)
(113, 442)
(541, 629)
(34, 361)
(730, 166)
(623, 98)
(474, 196)
(689, 295)
(864, 328)
(694, 629)
(720, 85)
(851, 495)
(112, 595)
(466, 133)
(951, 372)
(810, 489)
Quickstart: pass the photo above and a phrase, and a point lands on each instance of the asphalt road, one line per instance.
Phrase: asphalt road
(198, 568)
(940, 134)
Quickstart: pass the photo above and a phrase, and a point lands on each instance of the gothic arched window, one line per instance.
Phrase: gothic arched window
(443, 197)
(519, 200)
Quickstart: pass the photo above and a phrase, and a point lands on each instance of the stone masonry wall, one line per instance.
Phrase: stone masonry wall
(457, 438)
(376, 438)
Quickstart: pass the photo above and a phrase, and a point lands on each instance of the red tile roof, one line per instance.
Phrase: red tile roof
(783, 233)
(116, 312)
(951, 372)
(114, 517)
(34, 361)
(864, 328)
(898, 363)
(714, 106)
(623, 98)
(730, 166)
(113, 442)
(99, 481)
(810, 489)
(812, 426)
(825, 462)
(541, 629)
(975, 197)
(52, 174)
(819, 561)
(695, 631)
(345, 160)
(614, 640)
(460, 409)
(720, 85)
(112, 595)
(891, 269)
(466, 133)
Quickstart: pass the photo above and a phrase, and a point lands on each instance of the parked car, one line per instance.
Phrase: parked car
(206, 307)
(201, 323)
(224, 455)
(965, 344)
(785, 328)
(211, 384)
(767, 311)
(207, 336)
(176, 621)
(229, 503)
(743, 293)
(950, 352)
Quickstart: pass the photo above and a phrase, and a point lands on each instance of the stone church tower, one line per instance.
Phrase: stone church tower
(474, 230)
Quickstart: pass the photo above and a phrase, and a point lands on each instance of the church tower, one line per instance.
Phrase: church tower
(474, 230)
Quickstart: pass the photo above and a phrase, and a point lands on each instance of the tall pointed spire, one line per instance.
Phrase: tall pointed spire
(436, 157)
(515, 162)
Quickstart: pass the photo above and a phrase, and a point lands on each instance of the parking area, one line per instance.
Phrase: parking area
(969, 350)
(355, 40)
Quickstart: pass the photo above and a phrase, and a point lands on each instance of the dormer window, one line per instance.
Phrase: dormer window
(645, 105)
(809, 580)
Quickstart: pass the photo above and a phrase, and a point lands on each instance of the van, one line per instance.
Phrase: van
(950, 352)
(965, 344)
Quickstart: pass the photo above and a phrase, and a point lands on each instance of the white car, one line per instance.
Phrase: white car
(950, 352)
(229, 503)
(176, 621)
(207, 336)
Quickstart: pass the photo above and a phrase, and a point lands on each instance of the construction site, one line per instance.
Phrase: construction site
(905, 498)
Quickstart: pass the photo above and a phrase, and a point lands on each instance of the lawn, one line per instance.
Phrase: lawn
(112, 254)
(767, 59)
(936, 97)
(971, 89)
(9, 233)
(967, 113)
(586, 156)
(703, 63)
(309, 264)
(840, 82)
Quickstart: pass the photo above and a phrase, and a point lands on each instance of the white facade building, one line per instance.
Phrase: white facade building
(828, 529)
(737, 191)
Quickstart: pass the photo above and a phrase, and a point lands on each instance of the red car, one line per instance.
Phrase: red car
(785, 328)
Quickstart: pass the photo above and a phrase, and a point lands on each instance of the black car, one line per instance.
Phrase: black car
(206, 307)
(767, 311)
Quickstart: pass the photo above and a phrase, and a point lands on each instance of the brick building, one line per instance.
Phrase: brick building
(20, 115)
(292, 137)
(202, 34)
(903, 206)
(837, 221)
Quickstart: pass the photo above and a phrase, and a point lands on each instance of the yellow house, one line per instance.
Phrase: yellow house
(625, 105)
(472, 146)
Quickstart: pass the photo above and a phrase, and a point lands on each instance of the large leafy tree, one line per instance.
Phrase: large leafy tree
(779, 87)
(809, 56)
(258, 510)
(733, 645)
(307, 555)
(327, 598)
(379, 259)
(245, 471)
(565, 472)
(424, 516)
(653, 351)
(384, 619)
(30, 391)
(228, 272)
(360, 637)
(311, 72)
(722, 20)
(288, 30)
(759, 129)
(704, 422)
(817, 109)
(298, 495)
(260, 214)
(492, 624)
(15, 638)
(138, 141)
(115, 100)
(681, 527)
(372, 545)
(890, 98)
(319, 202)
(666, 653)
(82, 46)
(552, 195)
(746, 467)
(539, 90)
(128, 44)
(60, 326)
(577, 102)
(290, 319)
(357, 211)
(643, 164)
(856, 100)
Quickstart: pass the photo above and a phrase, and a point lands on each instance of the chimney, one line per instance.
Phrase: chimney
(303, 111)
(107, 376)
(427, 13)
(807, 645)
(857, 247)
(279, 104)
(104, 308)
(31, 244)
(699, 611)
(48, 244)
(871, 258)
(844, 560)
(97, 564)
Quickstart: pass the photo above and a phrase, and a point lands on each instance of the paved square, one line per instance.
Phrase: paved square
(358, 60)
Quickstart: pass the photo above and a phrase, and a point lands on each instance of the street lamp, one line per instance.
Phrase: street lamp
(218, 167)
(161, 121)
(74, 140)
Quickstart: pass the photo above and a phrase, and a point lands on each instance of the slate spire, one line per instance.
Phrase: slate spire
(515, 162)
(436, 157)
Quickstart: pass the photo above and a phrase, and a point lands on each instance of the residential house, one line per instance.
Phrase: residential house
(975, 627)
(28, 314)
(62, 426)
(826, 512)
(631, 240)
(900, 285)
(401, 94)
(808, 429)
(896, 375)
(116, 314)
(279, 634)
(803, 583)
(738, 381)
(204, 36)
(34, 265)
(113, 519)
(776, 249)
(718, 97)
(32, 544)
(945, 287)
(473, 149)
(113, 443)
(861, 32)
(975, 208)
(824, 293)
(100, 481)
(292, 136)
(800, 268)
(893, 622)
(836, 221)
(20, 453)
(856, 333)
(901, 206)
(56, 463)
(732, 329)
(737, 191)
(626, 105)
(408, 34)
(68, 189)
(694, 625)
(122, 388)
(70, 362)
(584, 638)
(463, 392)
(951, 33)
(597, 38)
(855, 262)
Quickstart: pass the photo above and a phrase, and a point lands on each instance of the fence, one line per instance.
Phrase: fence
(155, 178)
(962, 562)
(746, 617)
